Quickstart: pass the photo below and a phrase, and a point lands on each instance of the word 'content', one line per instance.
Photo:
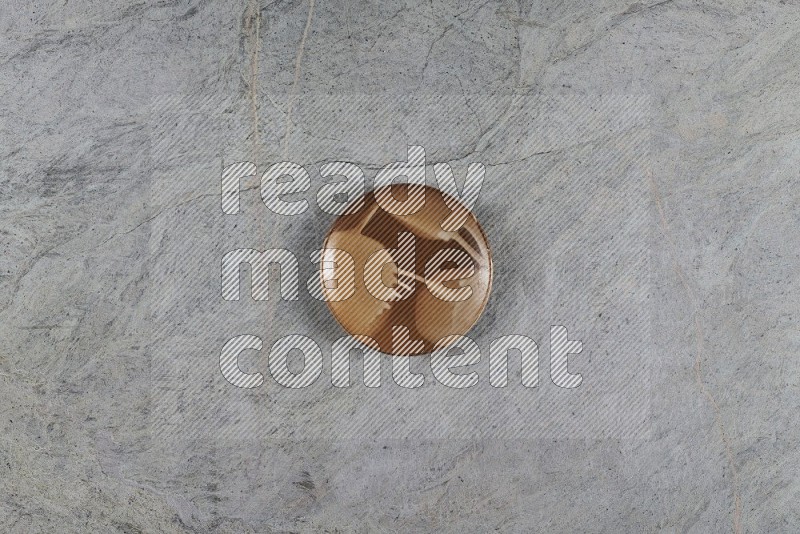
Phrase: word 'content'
(443, 363)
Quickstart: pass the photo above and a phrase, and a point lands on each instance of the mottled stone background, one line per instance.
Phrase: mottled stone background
(88, 207)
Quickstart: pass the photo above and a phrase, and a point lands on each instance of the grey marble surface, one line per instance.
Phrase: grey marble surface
(116, 119)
